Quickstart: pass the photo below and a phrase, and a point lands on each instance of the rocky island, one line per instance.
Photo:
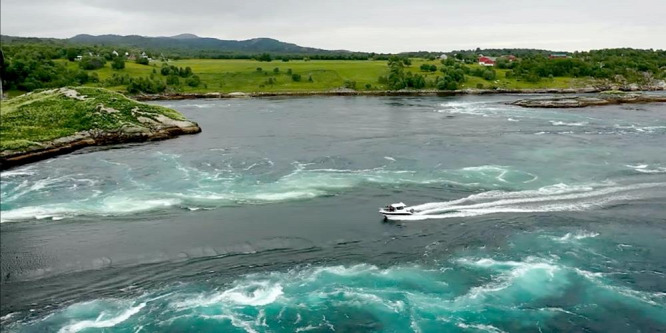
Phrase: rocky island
(583, 101)
(52, 122)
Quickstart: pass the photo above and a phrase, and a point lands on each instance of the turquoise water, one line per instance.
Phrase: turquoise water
(527, 220)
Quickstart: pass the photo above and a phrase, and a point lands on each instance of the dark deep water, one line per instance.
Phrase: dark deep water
(529, 220)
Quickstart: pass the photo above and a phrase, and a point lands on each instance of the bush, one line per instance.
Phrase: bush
(142, 61)
(350, 84)
(479, 86)
(259, 69)
(90, 63)
(172, 80)
(116, 80)
(193, 81)
(489, 75)
(296, 77)
(145, 85)
(276, 70)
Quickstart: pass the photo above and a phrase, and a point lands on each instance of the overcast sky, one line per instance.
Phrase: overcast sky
(358, 25)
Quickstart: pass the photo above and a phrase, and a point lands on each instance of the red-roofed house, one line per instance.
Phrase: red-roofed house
(486, 61)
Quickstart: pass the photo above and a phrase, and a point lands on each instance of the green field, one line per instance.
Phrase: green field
(242, 75)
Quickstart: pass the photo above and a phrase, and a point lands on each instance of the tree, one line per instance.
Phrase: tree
(265, 57)
(296, 77)
(72, 53)
(142, 61)
(118, 63)
(276, 70)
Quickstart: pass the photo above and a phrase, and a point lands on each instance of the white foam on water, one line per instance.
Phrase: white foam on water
(235, 321)
(256, 294)
(389, 158)
(562, 123)
(308, 328)
(480, 327)
(25, 171)
(244, 293)
(640, 129)
(575, 236)
(645, 168)
(546, 199)
(108, 206)
(106, 323)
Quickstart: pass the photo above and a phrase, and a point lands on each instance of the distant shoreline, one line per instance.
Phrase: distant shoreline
(188, 96)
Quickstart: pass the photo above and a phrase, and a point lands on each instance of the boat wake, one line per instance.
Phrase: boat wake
(553, 198)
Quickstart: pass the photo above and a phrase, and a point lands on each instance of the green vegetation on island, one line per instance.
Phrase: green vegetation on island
(47, 122)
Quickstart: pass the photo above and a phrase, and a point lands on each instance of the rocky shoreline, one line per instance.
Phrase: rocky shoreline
(131, 122)
(68, 144)
(585, 101)
(350, 92)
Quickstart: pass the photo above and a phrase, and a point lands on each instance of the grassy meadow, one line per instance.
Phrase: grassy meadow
(48, 114)
(222, 75)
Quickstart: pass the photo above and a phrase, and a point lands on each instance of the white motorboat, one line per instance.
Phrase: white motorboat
(396, 209)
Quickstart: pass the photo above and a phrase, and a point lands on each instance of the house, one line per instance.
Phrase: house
(486, 61)
(443, 57)
(511, 58)
(558, 56)
(78, 58)
(114, 53)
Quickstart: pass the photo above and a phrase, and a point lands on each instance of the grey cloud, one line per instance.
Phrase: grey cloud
(372, 25)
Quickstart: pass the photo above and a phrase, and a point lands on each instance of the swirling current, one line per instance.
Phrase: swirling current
(526, 220)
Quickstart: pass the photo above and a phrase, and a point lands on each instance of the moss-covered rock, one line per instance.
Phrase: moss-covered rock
(51, 122)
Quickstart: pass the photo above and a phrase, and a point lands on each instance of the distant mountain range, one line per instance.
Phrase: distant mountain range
(194, 42)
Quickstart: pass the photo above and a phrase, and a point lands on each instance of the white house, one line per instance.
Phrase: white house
(115, 53)
(443, 57)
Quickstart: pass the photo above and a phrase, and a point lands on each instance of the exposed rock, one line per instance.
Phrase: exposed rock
(71, 93)
(583, 101)
(102, 108)
(658, 85)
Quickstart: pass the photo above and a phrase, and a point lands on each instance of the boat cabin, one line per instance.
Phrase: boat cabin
(396, 207)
